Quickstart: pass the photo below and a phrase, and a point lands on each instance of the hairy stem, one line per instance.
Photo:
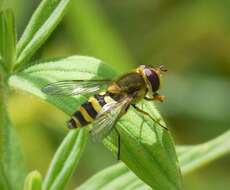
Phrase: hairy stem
(4, 181)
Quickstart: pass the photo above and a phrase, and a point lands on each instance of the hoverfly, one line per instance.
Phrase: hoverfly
(105, 108)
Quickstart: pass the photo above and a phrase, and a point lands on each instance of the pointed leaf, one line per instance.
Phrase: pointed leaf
(41, 25)
(7, 38)
(65, 160)
(193, 157)
(148, 150)
(33, 181)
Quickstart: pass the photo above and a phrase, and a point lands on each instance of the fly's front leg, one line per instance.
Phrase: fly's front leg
(156, 97)
(146, 113)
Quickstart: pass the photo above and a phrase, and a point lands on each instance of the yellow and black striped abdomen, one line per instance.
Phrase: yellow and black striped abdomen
(89, 110)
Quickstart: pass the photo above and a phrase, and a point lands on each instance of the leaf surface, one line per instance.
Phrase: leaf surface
(65, 160)
(42, 23)
(196, 156)
(33, 181)
(7, 39)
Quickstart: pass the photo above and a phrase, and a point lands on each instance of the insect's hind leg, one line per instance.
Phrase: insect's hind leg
(146, 113)
(119, 143)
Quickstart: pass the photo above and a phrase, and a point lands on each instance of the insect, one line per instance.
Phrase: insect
(105, 108)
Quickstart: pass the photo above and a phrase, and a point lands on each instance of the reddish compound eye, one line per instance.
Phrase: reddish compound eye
(153, 79)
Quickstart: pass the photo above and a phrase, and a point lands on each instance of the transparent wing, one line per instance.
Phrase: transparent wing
(107, 118)
(74, 87)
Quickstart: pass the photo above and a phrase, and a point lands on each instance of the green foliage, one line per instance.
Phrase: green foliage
(114, 177)
(36, 77)
(10, 155)
(65, 160)
(196, 156)
(146, 148)
(7, 39)
(150, 154)
(148, 151)
(4, 144)
(43, 22)
(33, 181)
(190, 158)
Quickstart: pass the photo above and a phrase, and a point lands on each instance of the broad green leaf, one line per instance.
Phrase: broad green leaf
(41, 25)
(11, 162)
(95, 34)
(36, 77)
(191, 158)
(33, 181)
(65, 160)
(147, 151)
(7, 38)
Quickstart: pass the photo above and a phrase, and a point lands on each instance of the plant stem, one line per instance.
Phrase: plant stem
(4, 182)
(11, 160)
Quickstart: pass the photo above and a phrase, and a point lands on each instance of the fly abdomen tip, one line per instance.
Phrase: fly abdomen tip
(71, 124)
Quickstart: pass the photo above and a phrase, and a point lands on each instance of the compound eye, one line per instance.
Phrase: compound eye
(153, 79)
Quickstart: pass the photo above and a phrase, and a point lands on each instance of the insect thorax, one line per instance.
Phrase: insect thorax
(131, 84)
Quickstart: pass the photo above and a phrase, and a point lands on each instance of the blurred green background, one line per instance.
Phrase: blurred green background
(191, 38)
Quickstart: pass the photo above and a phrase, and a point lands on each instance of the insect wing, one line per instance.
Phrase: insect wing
(74, 87)
(107, 119)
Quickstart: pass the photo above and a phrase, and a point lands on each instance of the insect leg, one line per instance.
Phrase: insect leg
(119, 143)
(146, 113)
(156, 97)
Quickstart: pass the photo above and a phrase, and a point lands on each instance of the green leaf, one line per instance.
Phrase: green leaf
(191, 158)
(149, 151)
(7, 38)
(33, 181)
(114, 177)
(65, 160)
(12, 169)
(41, 25)
(36, 77)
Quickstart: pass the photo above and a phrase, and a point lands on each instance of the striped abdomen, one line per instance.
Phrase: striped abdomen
(89, 110)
